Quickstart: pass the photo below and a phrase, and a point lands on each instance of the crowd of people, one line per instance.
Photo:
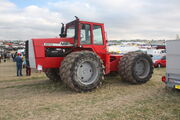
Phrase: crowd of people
(20, 60)
(5, 57)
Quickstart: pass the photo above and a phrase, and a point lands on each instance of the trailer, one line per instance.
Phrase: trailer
(172, 77)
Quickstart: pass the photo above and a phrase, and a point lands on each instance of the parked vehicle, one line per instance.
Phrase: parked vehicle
(156, 52)
(21, 51)
(172, 77)
(159, 61)
(80, 57)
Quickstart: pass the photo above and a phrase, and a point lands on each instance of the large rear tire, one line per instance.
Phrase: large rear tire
(82, 71)
(136, 67)
(53, 74)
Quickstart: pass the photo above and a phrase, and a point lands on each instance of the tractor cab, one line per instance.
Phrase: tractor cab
(86, 35)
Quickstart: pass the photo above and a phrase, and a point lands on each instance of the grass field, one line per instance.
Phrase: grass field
(36, 98)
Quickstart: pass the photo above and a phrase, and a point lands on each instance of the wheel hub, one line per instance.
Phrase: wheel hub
(142, 68)
(87, 72)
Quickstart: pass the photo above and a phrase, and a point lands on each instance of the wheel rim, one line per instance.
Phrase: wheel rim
(142, 68)
(87, 72)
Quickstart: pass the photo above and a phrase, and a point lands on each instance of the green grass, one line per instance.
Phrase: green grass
(163, 105)
(37, 98)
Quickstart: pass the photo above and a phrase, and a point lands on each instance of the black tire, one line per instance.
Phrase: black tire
(53, 74)
(128, 67)
(112, 74)
(73, 63)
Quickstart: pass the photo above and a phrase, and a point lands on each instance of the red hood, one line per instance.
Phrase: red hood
(38, 47)
(41, 41)
(41, 44)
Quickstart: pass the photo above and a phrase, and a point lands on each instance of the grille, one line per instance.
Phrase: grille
(27, 52)
(57, 52)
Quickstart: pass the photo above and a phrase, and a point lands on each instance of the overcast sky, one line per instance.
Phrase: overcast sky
(123, 19)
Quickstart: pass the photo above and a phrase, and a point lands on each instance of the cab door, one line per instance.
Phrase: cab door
(93, 37)
(99, 40)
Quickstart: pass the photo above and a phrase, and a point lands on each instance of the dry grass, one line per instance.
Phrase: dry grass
(37, 98)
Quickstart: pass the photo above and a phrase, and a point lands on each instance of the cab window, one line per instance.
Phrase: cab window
(70, 32)
(97, 33)
(85, 34)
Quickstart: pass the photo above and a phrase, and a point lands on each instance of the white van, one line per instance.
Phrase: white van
(172, 77)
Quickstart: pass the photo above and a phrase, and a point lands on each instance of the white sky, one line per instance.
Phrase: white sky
(123, 19)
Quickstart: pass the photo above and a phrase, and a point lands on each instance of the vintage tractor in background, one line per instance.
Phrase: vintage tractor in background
(80, 58)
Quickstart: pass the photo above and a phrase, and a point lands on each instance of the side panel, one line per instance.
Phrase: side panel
(49, 62)
(173, 63)
(172, 79)
(114, 62)
(31, 54)
(173, 56)
(40, 45)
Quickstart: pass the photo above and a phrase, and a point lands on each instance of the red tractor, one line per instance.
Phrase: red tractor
(80, 58)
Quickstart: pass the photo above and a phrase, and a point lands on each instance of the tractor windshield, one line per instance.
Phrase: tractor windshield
(70, 31)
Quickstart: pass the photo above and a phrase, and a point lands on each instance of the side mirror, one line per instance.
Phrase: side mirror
(62, 28)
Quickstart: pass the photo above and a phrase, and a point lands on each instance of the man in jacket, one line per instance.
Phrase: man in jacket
(19, 62)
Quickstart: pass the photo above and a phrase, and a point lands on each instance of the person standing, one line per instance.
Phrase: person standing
(19, 62)
(0, 58)
(5, 56)
(14, 56)
(28, 69)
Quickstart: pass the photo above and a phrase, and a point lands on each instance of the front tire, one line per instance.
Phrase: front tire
(136, 67)
(82, 71)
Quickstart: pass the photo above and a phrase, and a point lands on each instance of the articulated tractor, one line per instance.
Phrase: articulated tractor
(79, 57)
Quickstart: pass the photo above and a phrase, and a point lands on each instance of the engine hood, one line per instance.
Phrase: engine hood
(53, 42)
(38, 48)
